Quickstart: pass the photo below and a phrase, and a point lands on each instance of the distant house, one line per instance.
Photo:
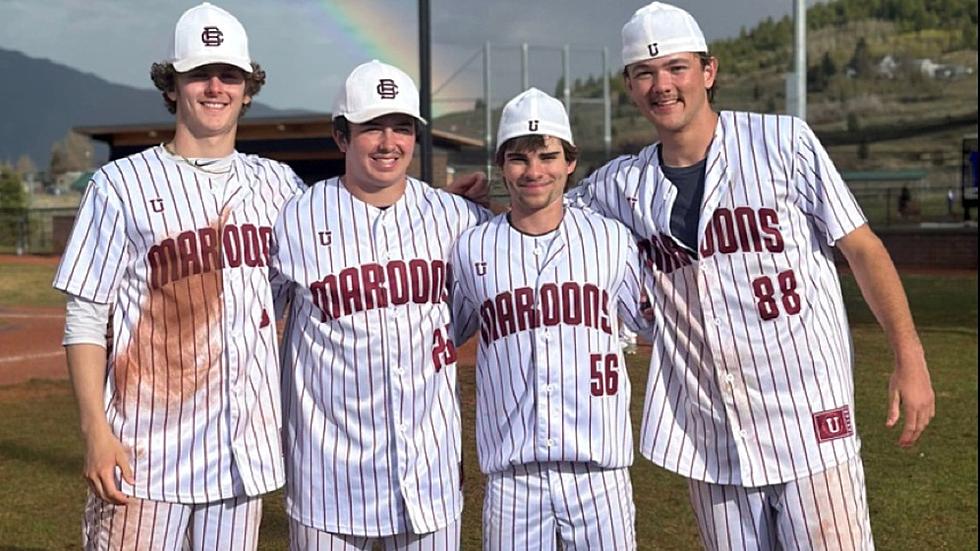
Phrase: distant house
(931, 69)
(81, 182)
(887, 67)
(64, 182)
(926, 66)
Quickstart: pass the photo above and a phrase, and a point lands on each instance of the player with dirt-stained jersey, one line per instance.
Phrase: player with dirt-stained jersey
(182, 421)
(372, 437)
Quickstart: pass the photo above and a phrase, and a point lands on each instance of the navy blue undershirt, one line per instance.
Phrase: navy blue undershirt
(686, 214)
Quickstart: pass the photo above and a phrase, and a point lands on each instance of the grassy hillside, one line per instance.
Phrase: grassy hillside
(846, 40)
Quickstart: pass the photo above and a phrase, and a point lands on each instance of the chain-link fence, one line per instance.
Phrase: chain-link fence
(901, 206)
(44, 231)
(35, 231)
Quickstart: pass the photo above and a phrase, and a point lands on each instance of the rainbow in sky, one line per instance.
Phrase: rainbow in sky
(386, 35)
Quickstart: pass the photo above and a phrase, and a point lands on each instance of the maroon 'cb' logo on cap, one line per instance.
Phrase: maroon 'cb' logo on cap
(212, 36)
(387, 88)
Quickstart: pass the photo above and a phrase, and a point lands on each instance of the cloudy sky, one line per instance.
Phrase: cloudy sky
(308, 46)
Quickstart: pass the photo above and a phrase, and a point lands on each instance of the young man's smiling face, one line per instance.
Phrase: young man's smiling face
(379, 151)
(671, 91)
(536, 179)
(210, 99)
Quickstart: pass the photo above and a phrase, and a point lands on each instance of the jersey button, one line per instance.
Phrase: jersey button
(730, 378)
(551, 442)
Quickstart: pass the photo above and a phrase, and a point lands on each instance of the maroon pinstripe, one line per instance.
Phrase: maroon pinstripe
(372, 418)
(192, 384)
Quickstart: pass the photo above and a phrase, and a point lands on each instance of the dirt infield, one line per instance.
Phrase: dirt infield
(30, 340)
(29, 260)
(30, 337)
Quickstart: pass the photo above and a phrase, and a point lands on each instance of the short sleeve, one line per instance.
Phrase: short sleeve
(96, 254)
(825, 196)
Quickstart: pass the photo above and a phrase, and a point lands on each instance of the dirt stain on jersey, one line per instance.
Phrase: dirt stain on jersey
(176, 347)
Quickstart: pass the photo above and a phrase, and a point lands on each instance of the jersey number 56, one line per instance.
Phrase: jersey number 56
(605, 374)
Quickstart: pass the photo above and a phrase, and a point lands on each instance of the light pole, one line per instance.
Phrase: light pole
(425, 90)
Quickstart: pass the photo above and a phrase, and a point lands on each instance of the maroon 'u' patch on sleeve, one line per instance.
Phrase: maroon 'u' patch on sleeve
(833, 424)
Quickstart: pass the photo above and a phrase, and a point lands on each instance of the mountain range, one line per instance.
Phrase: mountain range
(41, 100)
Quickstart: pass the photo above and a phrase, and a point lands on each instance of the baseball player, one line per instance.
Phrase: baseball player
(546, 287)
(181, 422)
(369, 362)
(750, 393)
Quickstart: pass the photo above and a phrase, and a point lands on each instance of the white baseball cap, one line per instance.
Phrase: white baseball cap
(658, 30)
(207, 34)
(375, 89)
(532, 112)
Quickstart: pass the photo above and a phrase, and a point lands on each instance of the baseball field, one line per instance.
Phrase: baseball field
(920, 498)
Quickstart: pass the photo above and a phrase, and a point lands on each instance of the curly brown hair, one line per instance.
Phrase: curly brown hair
(164, 77)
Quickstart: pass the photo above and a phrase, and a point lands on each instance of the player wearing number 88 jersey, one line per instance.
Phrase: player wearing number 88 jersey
(750, 393)
(546, 288)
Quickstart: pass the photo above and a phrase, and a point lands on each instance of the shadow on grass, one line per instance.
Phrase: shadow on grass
(57, 460)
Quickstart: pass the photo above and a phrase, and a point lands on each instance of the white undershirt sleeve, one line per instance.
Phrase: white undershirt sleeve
(85, 322)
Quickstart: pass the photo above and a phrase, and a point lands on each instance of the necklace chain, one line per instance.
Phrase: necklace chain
(203, 167)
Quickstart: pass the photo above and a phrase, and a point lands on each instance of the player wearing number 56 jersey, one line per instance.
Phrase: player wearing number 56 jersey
(750, 393)
(545, 288)
(369, 365)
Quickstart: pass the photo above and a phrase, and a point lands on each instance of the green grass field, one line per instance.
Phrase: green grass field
(923, 498)
(28, 285)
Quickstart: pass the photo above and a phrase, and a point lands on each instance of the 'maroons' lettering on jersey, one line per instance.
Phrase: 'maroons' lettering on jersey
(660, 252)
(360, 288)
(742, 229)
(200, 251)
(570, 304)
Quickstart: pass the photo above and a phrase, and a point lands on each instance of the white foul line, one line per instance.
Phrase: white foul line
(27, 357)
(34, 316)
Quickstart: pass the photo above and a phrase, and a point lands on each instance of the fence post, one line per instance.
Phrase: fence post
(21, 233)
(888, 207)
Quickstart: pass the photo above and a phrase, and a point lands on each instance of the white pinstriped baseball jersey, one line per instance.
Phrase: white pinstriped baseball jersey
(750, 379)
(551, 379)
(369, 372)
(192, 384)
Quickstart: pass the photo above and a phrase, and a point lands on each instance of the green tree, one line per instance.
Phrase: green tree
(818, 76)
(13, 208)
(25, 166)
(72, 153)
(861, 59)
(12, 195)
